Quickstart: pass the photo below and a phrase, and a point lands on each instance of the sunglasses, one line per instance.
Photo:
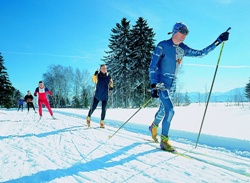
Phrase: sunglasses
(183, 30)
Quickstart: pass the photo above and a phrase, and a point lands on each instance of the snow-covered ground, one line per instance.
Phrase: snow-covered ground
(65, 150)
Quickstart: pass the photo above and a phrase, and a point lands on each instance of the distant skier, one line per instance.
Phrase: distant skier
(166, 60)
(20, 104)
(104, 83)
(42, 98)
(29, 100)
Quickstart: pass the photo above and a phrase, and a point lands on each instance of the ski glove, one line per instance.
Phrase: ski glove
(96, 72)
(223, 37)
(154, 91)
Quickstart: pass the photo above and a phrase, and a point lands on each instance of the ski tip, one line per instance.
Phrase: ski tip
(174, 151)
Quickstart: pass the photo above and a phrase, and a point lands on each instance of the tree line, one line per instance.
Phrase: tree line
(9, 95)
(71, 88)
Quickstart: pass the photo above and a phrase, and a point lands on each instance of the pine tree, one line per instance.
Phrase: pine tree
(247, 90)
(76, 102)
(128, 62)
(141, 46)
(6, 88)
(118, 62)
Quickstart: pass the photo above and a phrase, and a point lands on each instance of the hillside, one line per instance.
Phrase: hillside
(234, 95)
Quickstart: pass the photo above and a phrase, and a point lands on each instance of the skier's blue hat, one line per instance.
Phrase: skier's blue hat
(180, 27)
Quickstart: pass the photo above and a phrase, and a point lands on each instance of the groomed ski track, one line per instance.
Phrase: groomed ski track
(57, 150)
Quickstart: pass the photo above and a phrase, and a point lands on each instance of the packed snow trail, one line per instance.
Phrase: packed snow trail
(58, 151)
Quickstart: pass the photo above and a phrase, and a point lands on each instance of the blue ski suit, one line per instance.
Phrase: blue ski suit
(166, 60)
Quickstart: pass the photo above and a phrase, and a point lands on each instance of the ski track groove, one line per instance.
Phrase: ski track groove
(196, 151)
(219, 165)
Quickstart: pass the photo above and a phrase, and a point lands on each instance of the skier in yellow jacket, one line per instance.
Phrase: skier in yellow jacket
(104, 84)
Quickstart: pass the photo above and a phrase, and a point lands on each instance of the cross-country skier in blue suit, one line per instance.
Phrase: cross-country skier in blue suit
(166, 60)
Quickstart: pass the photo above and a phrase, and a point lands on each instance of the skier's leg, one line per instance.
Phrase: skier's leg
(104, 106)
(40, 106)
(168, 109)
(93, 107)
(169, 113)
(91, 110)
(46, 103)
(32, 105)
(159, 114)
(153, 128)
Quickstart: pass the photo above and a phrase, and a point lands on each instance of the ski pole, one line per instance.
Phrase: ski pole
(211, 88)
(144, 105)
(110, 136)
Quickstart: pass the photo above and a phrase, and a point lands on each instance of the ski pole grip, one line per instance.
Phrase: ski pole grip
(228, 29)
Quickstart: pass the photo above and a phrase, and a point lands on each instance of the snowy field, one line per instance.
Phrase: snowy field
(65, 150)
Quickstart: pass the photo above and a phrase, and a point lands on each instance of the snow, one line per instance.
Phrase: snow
(65, 150)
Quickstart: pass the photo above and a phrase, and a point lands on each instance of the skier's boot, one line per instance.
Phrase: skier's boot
(53, 117)
(88, 121)
(166, 145)
(153, 129)
(102, 124)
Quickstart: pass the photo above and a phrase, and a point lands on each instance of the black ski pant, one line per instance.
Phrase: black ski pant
(94, 105)
(30, 104)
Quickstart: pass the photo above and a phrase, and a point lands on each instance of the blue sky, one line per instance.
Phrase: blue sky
(37, 33)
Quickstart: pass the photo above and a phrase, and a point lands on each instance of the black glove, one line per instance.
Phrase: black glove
(223, 37)
(110, 88)
(96, 72)
(154, 91)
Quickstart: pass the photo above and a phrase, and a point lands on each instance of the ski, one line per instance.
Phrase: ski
(151, 141)
(176, 153)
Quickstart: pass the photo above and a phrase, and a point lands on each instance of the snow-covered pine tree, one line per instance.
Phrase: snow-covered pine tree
(6, 88)
(128, 62)
(117, 61)
(141, 45)
(247, 90)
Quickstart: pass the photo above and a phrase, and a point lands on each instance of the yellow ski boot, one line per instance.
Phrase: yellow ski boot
(88, 121)
(102, 124)
(166, 145)
(153, 129)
